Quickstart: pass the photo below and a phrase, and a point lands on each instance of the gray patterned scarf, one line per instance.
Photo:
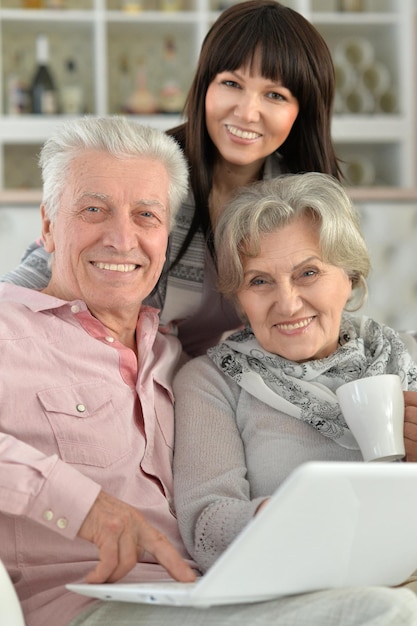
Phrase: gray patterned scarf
(306, 391)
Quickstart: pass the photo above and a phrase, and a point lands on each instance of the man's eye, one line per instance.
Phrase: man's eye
(92, 209)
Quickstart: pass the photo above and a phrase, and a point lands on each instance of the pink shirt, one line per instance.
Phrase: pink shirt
(78, 412)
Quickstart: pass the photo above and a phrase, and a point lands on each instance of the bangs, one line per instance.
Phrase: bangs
(266, 43)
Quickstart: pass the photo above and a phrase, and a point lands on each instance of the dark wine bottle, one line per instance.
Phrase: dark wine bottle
(43, 91)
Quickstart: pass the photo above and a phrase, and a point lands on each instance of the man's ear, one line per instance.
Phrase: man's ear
(47, 231)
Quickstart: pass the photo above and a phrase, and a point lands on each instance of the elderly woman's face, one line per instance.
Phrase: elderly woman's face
(292, 299)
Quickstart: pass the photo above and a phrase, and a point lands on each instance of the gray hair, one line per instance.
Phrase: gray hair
(119, 137)
(265, 207)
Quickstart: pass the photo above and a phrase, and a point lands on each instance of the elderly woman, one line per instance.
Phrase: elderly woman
(291, 254)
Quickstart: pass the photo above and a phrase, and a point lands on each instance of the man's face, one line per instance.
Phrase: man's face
(110, 233)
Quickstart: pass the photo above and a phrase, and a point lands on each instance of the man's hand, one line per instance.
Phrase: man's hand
(122, 535)
(410, 425)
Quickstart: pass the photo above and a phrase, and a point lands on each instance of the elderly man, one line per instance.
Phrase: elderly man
(86, 409)
(86, 403)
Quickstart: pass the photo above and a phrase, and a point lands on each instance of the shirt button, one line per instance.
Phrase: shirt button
(48, 515)
(62, 523)
(109, 339)
(80, 408)
(75, 308)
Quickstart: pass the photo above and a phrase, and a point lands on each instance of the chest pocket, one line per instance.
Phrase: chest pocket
(87, 428)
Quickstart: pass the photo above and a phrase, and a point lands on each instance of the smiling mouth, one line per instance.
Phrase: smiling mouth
(116, 267)
(296, 325)
(242, 134)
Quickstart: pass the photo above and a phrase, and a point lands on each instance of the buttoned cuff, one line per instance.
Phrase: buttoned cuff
(64, 500)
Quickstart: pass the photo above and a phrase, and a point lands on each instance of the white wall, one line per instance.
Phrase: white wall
(19, 226)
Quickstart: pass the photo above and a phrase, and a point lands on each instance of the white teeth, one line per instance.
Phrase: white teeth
(116, 267)
(296, 325)
(243, 134)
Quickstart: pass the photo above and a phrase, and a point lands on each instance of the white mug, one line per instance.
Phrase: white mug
(373, 408)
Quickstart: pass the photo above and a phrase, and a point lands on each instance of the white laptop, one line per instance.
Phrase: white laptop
(330, 524)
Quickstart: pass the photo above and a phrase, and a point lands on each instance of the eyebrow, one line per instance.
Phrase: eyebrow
(272, 83)
(105, 197)
(313, 257)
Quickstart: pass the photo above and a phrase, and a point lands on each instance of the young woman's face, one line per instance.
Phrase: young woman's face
(294, 300)
(248, 116)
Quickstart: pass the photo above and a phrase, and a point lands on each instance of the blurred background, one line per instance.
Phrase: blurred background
(137, 57)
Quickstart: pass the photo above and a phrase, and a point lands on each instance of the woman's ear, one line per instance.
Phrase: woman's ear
(47, 231)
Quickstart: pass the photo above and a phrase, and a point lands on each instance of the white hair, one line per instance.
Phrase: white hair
(117, 136)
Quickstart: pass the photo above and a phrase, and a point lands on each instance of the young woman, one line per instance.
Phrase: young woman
(260, 105)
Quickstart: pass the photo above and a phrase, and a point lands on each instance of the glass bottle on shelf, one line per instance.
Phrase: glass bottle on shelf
(32, 4)
(171, 96)
(124, 83)
(142, 100)
(132, 6)
(72, 97)
(55, 4)
(351, 5)
(171, 5)
(17, 94)
(44, 98)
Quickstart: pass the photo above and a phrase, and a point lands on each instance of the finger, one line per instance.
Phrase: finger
(410, 398)
(128, 557)
(411, 454)
(108, 561)
(410, 413)
(410, 431)
(168, 556)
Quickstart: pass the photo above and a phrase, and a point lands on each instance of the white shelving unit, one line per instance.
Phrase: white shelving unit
(98, 32)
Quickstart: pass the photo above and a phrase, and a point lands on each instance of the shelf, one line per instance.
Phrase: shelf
(35, 129)
(365, 128)
(102, 38)
(41, 15)
(378, 129)
(386, 195)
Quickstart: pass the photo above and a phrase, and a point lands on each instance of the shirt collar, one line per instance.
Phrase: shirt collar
(38, 301)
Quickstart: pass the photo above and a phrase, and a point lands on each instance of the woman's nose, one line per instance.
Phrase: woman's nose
(287, 300)
(247, 108)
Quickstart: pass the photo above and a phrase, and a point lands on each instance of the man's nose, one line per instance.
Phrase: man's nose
(121, 233)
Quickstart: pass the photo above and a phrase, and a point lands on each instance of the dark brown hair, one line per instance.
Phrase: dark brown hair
(290, 50)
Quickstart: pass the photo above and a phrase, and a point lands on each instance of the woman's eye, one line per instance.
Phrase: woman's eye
(230, 83)
(255, 282)
(273, 95)
(308, 274)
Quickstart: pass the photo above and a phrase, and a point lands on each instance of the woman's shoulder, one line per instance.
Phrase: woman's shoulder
(195, 367)
(201, 373)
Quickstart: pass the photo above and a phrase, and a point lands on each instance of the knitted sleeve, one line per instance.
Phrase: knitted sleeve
(212, 493)
(33, 271)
